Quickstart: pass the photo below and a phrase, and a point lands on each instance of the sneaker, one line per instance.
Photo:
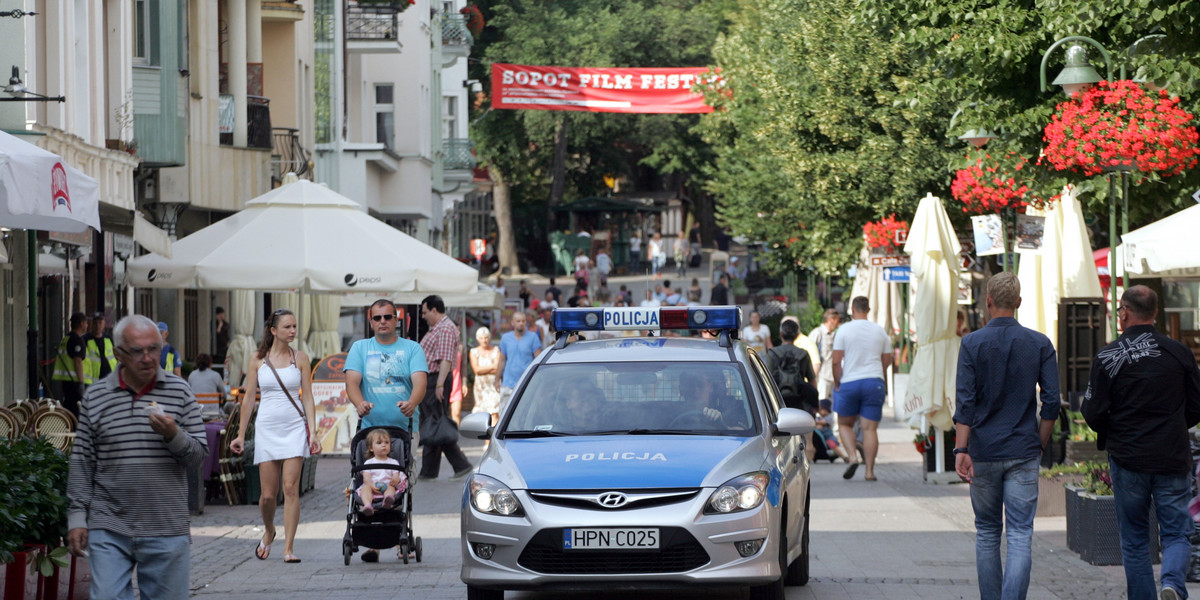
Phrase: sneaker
(462, 474)
(1168, 593)
(425, 478)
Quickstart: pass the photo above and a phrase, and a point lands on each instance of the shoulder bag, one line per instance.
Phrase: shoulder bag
(438, 429)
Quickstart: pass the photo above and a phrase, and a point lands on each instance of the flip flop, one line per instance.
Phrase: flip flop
(290, 558)
(263, 551)
(850, 470)
(872, 478)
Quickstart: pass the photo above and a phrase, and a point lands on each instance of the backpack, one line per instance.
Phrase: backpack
(787, 372)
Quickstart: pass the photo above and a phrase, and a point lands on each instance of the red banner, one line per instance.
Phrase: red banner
(586, 89)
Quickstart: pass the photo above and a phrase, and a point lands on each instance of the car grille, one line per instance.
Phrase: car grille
(679, 552)
(636, 498)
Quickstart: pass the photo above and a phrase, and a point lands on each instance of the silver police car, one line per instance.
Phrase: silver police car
(640, 462)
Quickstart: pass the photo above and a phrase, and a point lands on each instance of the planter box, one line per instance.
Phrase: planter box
(931, 460)
(1085, 451)
(1092, 529)
(19, 582)
(1052, 494)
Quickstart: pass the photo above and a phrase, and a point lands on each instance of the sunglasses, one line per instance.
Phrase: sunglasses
(378, 318)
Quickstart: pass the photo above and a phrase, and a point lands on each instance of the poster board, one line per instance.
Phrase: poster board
(337, 420)
(989, 234)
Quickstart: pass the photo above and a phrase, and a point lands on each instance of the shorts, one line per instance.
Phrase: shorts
(861, 397)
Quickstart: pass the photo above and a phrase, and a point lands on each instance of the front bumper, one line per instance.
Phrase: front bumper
(696, 549)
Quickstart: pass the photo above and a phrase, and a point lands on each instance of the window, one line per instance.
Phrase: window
(143, 32)
(449, 117)
(385, 115)
(448, 7)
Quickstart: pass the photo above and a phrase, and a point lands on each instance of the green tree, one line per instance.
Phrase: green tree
(547, 156)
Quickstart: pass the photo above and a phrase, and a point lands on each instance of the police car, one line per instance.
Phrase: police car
(640, 462)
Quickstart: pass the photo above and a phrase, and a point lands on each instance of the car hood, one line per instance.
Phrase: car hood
(667, 461)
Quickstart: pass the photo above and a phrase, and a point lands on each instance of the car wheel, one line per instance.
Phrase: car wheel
(774, 589)
(797, 572)
(474, 593)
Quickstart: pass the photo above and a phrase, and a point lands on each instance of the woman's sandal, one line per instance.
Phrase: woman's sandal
(290, 558)
(263, 551)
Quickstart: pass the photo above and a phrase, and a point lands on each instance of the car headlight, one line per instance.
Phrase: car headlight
(491, 496)
(740, 493)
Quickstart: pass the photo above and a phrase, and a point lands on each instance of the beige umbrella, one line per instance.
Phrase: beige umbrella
(325, 339)
(934, 248)
(1063, 269)
(883, 296)
(241, 320)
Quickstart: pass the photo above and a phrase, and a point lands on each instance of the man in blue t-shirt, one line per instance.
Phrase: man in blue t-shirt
(385, 377)
(517, 349)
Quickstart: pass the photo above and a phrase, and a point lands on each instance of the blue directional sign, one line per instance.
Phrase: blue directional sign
(897, 274)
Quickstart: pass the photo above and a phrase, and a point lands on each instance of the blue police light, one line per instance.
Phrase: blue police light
(652, 319)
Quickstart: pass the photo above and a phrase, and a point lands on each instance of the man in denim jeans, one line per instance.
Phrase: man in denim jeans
(1000, 437)
(1143, 395)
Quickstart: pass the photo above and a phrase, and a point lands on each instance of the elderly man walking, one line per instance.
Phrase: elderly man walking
(139, 432)
(999, 437)
(1143, 396)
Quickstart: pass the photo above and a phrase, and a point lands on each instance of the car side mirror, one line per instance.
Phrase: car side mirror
(793, 421)
(476, 426)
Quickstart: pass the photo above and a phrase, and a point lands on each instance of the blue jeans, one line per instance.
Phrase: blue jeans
(1133, 492)
(1004, 490)
(162, 566)
(635, 261)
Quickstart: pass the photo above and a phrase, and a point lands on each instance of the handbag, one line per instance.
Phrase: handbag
(295, 405)
(438, 429)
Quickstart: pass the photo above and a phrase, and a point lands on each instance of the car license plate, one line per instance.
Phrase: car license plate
(610, 539)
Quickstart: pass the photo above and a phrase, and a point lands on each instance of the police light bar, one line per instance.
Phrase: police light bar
(695, 318)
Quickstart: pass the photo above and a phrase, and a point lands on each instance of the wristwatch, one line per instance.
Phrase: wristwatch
(960, 450)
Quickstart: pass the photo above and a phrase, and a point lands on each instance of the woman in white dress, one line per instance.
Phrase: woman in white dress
(658, 254)
(756, 335)
(485, 360)
(281, 428)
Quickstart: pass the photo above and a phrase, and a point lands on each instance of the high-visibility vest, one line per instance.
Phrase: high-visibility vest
(168, 359)
(64, 365)
(92, 360)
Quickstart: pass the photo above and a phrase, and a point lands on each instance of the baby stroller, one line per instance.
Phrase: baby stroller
(387, 527)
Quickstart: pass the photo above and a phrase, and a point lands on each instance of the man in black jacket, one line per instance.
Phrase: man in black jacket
(1143, 395)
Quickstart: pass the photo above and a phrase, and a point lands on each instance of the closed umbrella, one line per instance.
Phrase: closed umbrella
(883, 296)
(934, 248)
(241, 321)
(1065, 268)
(325, 339)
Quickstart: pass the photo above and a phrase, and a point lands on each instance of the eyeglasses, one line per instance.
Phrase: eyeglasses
(378, 318)
(138, 353)
(1122, 307)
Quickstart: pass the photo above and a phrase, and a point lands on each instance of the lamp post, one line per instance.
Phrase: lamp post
(1077, 76)
(979, 137)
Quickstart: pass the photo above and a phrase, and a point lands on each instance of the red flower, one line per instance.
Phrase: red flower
(882, 233)
(991, 184)
(1119, 125)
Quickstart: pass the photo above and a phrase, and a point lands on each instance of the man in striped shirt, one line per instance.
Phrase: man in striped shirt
(139, 432)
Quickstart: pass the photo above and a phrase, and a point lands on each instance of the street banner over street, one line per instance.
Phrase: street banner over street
(599, 89)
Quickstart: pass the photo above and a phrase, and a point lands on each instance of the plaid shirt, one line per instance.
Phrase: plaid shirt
(441, 343)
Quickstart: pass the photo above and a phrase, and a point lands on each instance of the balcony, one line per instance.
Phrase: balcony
(456, 38)
(458, 160)
(258, 121)
(289, 156)
(374, 27)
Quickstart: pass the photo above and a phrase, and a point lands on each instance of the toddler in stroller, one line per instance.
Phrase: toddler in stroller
(379, 514)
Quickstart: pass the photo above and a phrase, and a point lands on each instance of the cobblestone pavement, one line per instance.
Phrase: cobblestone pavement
(897, 538)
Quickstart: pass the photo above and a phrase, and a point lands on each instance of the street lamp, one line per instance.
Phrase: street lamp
(1076, 76)
(19, 93)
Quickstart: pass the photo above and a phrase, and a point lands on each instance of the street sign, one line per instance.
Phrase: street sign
(478, 248)
(901, 236)
(890, 261)
(897, 274)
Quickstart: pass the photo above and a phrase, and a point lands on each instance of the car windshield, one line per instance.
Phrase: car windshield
(633, 398)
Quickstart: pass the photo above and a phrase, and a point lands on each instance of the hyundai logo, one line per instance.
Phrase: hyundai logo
(612, 499)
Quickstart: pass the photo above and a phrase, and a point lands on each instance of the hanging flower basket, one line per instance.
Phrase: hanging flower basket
(474, 18)
(992, 184)
(1120, 126)
(881, 234)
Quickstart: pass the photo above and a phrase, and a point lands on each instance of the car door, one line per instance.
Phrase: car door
(788, 449)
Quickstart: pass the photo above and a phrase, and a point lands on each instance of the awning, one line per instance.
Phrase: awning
(38, 191)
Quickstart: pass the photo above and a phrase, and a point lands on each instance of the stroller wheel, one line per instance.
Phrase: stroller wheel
(347, 552)
(417, 548)
(403, 552)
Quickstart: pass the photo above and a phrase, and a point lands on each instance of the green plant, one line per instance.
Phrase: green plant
(1097, 479)
(33, 500)
(1079, 427)
(1064, 469)
(738, 287)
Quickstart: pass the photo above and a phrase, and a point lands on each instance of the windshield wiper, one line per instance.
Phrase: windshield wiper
(535, 433)
(642, 431)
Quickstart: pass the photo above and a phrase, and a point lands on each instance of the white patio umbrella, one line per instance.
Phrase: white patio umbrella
(1063, 269)
(325, 339)
(241, 321)
(1164, 248)
(883, 296)
(303, 236)
(483, 296)
(934, 248)
(38, 190)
